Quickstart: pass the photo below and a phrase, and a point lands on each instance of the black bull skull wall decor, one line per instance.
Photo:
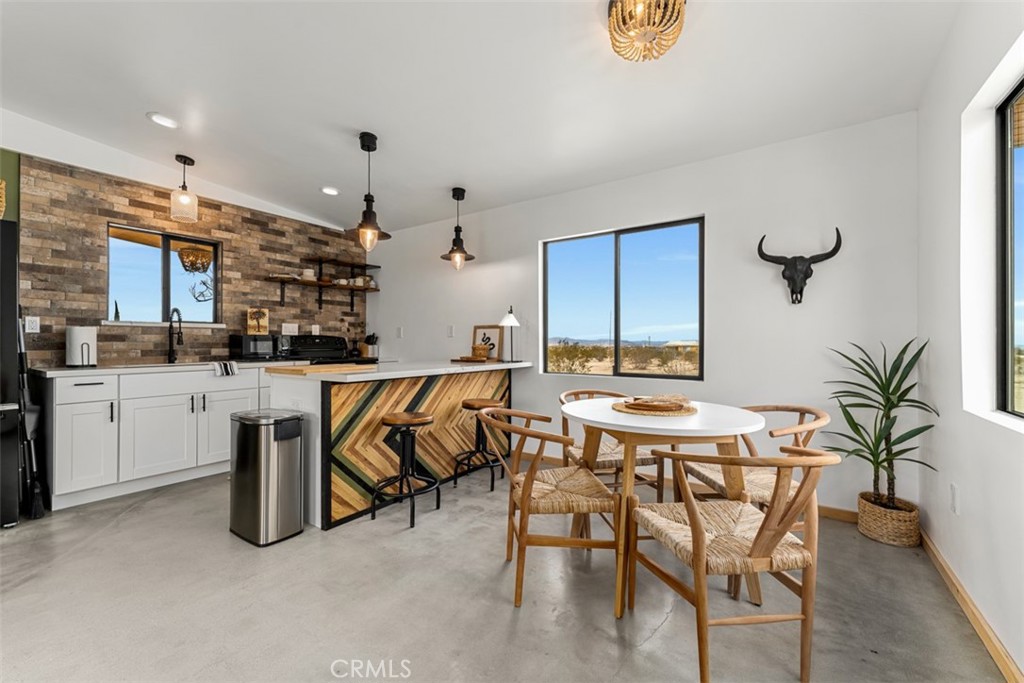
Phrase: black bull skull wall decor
(796, 270)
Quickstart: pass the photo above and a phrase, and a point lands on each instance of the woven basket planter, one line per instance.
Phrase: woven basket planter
(900, 527)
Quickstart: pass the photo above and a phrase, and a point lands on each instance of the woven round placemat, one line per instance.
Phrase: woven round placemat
(623, 407)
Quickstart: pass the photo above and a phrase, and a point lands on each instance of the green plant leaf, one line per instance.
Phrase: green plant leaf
(919, 462)
(910, 434)
(862, 368)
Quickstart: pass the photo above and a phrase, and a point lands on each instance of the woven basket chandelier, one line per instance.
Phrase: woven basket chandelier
(642, 30)
(195, 259)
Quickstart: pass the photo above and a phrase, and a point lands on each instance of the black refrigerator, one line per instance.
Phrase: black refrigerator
(9, 413)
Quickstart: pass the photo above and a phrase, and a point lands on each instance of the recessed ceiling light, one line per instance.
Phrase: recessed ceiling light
(161, 120)
(333, 191)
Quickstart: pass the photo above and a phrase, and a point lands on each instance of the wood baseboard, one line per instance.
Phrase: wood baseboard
(995, 647)
(837, 513)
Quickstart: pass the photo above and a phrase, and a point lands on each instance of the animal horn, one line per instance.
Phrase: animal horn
(778, 260)
(818, 258)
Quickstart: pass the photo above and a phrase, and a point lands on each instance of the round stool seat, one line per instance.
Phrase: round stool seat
(407, 419)
(481, 403)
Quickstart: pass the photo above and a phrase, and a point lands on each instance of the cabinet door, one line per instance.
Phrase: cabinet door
(215, 408)
(85, 446)
(158, 435)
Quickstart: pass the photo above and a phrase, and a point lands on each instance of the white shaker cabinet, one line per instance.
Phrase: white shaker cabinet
(214, 411)
(158, 435)
(85, 450)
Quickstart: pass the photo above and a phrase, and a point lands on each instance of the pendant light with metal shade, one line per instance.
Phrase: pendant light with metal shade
(458, 254)
(368, 230)
(184, 204)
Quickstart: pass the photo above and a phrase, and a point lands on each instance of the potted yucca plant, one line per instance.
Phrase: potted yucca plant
(871, 403)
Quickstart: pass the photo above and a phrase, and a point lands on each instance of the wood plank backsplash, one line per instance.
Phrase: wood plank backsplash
(65, 211)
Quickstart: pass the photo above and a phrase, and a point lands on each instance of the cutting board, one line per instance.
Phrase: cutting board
(317, 369)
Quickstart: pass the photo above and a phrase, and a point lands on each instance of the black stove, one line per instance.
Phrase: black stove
(320, 350)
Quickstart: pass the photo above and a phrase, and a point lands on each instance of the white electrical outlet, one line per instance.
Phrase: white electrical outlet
(289, 328)
(316, 329)
(399, 332)
(451, 331)
(954, 498)
(32, 324)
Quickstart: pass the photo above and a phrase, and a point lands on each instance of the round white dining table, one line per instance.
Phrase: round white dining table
(712, 424)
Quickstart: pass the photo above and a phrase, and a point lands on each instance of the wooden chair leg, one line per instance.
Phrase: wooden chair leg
(700, 602)
(524, 521)
(677, 482)
(754, 589)
(734, 586)
(511, 527)
(620, 556)
(634, 531)
(808, 578)
(661, 480)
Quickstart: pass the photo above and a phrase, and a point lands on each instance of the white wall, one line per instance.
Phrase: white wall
(980, 452)
(759, 347)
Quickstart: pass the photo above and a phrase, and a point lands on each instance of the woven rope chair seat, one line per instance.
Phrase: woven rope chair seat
(758, 482)
(565, 490)
(609, 456)
(730, 526)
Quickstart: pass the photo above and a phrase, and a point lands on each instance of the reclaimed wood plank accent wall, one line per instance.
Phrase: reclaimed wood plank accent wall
(362, 450)
(65, 211)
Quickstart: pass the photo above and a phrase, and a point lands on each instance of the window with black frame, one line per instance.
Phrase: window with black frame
(1011, 253)
(150, 273)
(626, 302)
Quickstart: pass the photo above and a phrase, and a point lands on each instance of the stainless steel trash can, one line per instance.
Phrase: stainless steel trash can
(266, 475)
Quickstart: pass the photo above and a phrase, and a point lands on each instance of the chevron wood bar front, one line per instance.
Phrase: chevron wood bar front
(362, 451)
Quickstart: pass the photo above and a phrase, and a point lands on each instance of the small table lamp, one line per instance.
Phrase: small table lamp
(510, 321)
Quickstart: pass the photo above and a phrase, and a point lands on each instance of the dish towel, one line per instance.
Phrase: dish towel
(225, 368)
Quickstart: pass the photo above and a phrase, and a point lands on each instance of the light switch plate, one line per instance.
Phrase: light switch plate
(399, 332)
(451, 331)
(289, 328)
(316, 329)
(32, 324)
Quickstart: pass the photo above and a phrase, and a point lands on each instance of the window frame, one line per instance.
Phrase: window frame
(617, 371)
(165, 272)
(1005, 274)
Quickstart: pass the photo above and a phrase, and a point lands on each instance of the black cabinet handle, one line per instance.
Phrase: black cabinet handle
(89, 384)
(111, 411)
(204, 403)
(192, 403)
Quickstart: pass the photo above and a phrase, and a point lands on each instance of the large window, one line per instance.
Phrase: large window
(1011, 260)
(628, 302)
(151, 273)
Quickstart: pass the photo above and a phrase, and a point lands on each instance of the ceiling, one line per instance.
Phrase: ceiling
(513, 100)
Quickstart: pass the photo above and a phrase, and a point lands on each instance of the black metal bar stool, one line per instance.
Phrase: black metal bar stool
(490, 459)
(405, 422)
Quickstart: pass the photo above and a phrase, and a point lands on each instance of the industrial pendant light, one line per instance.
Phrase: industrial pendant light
(368, 230)
(457, 254)
(184, 204)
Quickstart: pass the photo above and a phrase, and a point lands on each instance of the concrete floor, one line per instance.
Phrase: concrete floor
(153, 587)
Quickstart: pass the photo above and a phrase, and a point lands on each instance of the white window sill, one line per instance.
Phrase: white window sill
(130, 323)
(998, 417)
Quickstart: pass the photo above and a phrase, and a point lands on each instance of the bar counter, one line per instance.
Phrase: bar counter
(346, 449)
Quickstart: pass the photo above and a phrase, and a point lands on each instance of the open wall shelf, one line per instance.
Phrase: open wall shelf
(323, 282)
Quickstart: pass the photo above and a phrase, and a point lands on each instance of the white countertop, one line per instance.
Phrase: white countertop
(402, 370)
(155, 367)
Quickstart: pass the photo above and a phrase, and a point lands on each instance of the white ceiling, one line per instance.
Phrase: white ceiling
(512, 100)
